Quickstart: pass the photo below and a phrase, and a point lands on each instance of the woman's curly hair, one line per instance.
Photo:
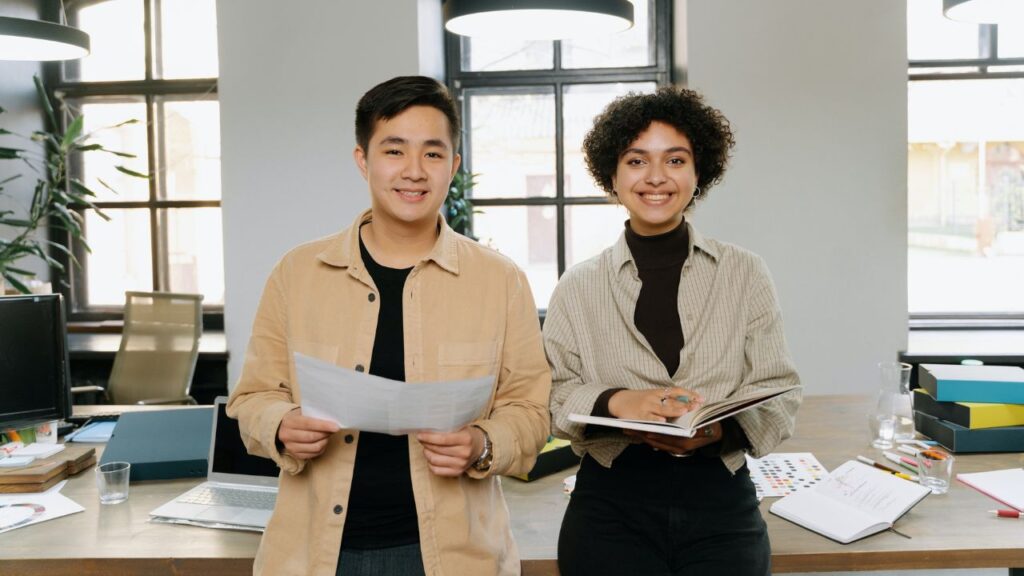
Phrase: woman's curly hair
(626, 117)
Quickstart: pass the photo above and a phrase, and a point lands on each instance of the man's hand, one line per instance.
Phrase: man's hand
(450, 454)
(303, 437)
(658, 404)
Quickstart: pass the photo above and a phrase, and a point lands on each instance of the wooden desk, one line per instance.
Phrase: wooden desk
(949, 531)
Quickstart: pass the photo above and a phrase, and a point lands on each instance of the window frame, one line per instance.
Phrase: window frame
(153, 92)
(556, 78)
(988, 48)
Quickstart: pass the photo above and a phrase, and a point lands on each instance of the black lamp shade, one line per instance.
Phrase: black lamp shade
(537, 19)
(24, 39)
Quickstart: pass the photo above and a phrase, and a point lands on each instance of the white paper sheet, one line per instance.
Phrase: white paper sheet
(373, 404)
(20, 510)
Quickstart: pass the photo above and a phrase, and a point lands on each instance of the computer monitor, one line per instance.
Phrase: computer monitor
(34, 378)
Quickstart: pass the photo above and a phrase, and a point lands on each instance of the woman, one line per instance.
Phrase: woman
(657, 323)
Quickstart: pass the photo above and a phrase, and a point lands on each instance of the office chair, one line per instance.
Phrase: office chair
(158, 352)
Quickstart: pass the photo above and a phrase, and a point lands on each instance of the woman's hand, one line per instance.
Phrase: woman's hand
(658, 405)
(677, 445)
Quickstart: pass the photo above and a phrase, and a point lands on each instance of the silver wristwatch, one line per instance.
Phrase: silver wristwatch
(483, 463)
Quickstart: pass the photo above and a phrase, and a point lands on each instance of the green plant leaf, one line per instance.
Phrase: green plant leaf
(131, 172)
(21, 271)
(6, 180)
(10, 153)
(16, 283)
(88, 147)
(73, 132)
(44, 101)
(105, 185)
(17, 223)
(80, 187)
(121, 154)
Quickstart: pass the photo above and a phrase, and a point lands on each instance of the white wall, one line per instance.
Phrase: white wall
(290, 77)
(22, 115)
(816, 93)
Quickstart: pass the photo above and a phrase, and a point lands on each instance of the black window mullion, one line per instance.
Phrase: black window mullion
(151, 135)
(663, 42)
(559, 170)
(156, 45)
(147, 20)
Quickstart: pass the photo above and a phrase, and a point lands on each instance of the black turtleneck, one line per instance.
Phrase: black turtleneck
(659, 261)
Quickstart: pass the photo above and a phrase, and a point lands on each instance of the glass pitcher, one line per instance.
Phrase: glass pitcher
(892, 419)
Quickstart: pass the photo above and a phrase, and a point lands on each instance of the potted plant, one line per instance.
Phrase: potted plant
(458, 210)
(57, 198)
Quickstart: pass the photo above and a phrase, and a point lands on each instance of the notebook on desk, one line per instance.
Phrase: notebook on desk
(240, 489)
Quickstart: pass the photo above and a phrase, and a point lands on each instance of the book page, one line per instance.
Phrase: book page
(714, 411)
(827, 516)
(872, 491)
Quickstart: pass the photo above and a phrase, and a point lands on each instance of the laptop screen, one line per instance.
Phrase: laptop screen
(229, 455)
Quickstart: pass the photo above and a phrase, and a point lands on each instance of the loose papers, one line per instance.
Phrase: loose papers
(19, 510)
(373, 404)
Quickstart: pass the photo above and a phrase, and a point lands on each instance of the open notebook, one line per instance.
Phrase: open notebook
(687, 424)
(856, 500)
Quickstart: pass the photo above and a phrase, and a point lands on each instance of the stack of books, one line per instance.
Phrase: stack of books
(971, 408)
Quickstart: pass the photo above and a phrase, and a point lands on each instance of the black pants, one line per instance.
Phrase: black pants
(654, 514)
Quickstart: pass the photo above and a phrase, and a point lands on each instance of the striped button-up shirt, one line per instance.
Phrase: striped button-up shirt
(732, 327)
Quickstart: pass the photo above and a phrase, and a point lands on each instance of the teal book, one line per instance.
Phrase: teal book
(970, 414)
(962, 440)
(957, 383)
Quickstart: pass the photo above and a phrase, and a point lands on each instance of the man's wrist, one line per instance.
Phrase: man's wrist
(483, 461)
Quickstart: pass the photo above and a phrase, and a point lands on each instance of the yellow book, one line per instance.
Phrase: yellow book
(973, 415)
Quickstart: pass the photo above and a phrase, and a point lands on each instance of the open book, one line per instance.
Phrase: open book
(687, 424)
(856, 500)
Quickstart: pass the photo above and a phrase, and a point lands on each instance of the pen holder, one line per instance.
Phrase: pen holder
(935, 469)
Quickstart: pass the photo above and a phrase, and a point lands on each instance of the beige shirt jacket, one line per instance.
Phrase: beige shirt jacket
(732, 328)
(468, 312)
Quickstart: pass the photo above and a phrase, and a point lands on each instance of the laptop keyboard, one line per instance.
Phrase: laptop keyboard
(219, 496)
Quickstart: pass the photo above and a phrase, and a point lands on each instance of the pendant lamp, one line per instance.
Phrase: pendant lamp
(985, 11)
(537, 19)
(24, 39)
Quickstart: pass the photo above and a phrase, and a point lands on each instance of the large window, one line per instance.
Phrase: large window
(154, 61)
(526, 107)
(966, 168)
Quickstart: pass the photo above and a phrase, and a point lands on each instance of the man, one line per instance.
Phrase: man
(400, 295)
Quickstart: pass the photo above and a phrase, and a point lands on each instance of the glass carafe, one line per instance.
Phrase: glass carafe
(892, 419)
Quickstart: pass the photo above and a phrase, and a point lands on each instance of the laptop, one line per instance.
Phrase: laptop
(240, 490)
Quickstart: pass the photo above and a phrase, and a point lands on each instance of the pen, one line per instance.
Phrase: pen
(909, 450)
(1007, 514)
(902, 460)
(885, 468)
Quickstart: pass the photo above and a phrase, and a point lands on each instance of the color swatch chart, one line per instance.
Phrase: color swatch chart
(784, 473)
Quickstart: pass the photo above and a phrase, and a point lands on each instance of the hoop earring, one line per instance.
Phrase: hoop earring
(697, 192)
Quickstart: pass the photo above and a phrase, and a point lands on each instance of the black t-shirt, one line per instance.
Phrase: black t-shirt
(381, 506)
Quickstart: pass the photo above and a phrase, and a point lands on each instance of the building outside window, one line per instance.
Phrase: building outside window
(154, 61)
(526, 107)
(966, 168)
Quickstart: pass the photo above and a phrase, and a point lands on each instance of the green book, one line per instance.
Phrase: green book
(972, 415)
(962, 440)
